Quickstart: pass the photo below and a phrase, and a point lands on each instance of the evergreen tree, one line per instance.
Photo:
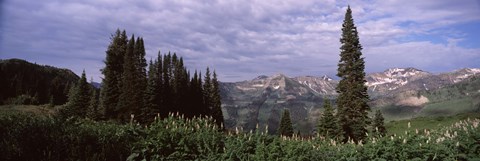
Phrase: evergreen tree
(140, 81)
(285, 128)
(327, 124)
(151, 102)
(352, 100)
(216, 102)
(128, 102)
(93, 110)
(196, 96)
(113, 71)
(207, 93)
(167, 88)
(378, 126)
(78, 100)
(154, 91)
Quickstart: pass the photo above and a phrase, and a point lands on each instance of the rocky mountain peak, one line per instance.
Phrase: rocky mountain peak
(326, 78)
(462, 74)
(261, 77)
(403, 72)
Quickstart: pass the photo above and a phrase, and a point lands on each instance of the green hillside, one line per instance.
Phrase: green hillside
(22, 82)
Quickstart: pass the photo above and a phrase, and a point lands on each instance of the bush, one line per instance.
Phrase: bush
(30, 137)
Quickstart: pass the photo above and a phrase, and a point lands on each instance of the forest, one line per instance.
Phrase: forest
(159, 110)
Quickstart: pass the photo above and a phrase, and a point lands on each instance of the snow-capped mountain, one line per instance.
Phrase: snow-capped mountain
(261, 100)
(321, 85)
(394, 78)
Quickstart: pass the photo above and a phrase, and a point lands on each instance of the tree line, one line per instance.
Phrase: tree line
(130, 92)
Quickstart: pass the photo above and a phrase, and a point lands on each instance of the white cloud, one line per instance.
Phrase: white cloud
(241, 39)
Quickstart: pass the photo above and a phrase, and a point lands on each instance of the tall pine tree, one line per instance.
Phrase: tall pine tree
(352, 100)
(113, 70)
(216, 102)
(285, 128)
(128, 101)
(151, 102)
(207, 93)
(327, 124)
(140, 81)
(378, 126)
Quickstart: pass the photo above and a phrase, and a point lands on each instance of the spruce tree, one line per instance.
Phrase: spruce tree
(285, 128)
(217, 113)
(93, 110)
(128, 101)
(112, 72)
(196, 96)
(207, 93)
(140, 81)
(166, 86)
(78, 100)
(151, 102)
(327, 124)
(378, 126)
(352, 100)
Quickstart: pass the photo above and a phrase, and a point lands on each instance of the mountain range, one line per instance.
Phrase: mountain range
(261, 100)
(400, 93)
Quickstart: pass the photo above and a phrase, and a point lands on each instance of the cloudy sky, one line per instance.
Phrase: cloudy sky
(242, 39)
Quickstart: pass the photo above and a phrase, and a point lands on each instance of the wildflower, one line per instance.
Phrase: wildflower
(458, 144)
(416, 131)
(409, 125)
(404, 141)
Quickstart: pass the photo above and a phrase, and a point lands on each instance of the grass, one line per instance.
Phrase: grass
(421, 123)
(42, 110)
(447, 108)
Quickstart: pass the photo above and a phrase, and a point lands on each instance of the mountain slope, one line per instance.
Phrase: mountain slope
(20, 80)
(399, 92)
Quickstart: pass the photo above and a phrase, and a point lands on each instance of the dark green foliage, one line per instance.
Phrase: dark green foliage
(285, 128)
(353, 97)
(217, 113)
(140, 73)
(129, 101)
(327, 124)
(174, 138)
(170, 90)
(153, 92)
(31, 137)
(113, 71)
(196, 95)
(93, 111)
(22, 82)
(78, 100)
(378, 124)
(207, 89)
(128, 92)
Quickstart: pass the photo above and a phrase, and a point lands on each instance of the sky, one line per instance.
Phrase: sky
(242, 39)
